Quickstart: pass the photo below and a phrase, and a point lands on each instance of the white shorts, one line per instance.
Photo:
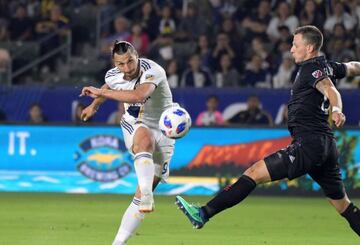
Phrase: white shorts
(164, 147)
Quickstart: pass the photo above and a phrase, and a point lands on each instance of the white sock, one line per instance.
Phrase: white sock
(130, 222)
(145, 170)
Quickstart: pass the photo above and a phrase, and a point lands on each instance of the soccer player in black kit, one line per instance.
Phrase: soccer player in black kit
(313, 149)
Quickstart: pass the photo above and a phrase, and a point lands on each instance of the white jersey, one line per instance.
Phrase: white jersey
(150, 111)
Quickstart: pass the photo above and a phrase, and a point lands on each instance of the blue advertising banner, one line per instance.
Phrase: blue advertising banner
(15, 101)
(86, 159)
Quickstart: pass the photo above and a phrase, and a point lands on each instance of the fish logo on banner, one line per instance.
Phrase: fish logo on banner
(103, 158)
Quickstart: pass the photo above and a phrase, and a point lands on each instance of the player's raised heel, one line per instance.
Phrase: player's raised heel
(147, 204)
(193, 212)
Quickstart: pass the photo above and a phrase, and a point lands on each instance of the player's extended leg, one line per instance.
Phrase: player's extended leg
(349, 211)
(328, 176)
(143, 148)
(228, 197)
(132, 218)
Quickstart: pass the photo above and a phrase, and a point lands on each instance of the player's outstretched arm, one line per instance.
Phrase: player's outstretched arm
(90, 110)
(327, 88)
(138, 95)
(352, 68)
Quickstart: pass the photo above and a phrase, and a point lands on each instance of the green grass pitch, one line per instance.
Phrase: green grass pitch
(66, 219)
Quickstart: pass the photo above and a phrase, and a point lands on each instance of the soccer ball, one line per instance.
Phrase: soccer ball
(175, 122)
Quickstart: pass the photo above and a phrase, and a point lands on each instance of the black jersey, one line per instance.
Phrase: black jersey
(309, 108)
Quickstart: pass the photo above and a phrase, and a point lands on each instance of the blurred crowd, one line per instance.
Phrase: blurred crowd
(203, 43)
(248, 113)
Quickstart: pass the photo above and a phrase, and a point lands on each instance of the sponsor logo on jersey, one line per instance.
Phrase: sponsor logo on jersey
(317, 74)
(329, 70)
(103, 158)
(292, 158)
(149, 77)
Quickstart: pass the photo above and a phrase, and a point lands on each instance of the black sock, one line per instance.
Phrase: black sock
(229, 196)
(352, 215)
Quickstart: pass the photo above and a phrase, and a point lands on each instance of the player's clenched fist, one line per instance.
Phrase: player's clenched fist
(338, 118)
(88, 112)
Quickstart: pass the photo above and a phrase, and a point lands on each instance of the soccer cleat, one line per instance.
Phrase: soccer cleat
(193, 212)
(147, 204)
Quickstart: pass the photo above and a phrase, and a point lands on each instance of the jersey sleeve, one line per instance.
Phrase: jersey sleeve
(111, 76)
(153, 75)
(314, 73)
(339, 69)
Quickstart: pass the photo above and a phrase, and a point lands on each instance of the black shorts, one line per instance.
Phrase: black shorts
(315, 155)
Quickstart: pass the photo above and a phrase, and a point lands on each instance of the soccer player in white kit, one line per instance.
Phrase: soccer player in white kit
(143, 87)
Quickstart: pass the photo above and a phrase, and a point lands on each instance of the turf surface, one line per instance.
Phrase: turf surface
(66, 219)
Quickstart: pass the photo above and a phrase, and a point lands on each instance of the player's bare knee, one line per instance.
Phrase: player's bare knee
(252, 173)
(258, 172)
(143, 141)
(144, 145)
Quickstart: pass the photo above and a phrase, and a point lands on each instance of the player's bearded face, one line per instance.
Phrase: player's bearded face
(298, 49)
(128, 64)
